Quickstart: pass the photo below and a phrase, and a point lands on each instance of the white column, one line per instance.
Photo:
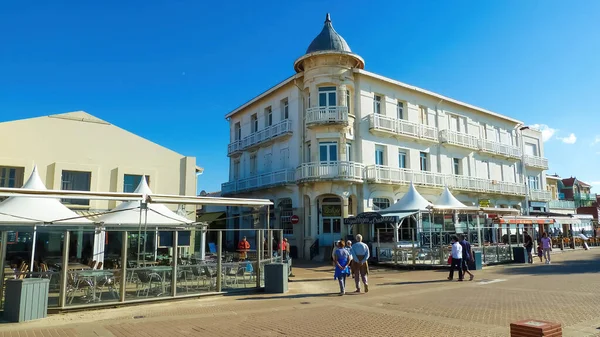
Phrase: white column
(99, 240)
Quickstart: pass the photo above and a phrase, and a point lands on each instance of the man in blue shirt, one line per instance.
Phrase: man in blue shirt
(467, 256)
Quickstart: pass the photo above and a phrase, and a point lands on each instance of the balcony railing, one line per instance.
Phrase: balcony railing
(500, 149)
(269, 133)
(265, 180)
(538, 162)
(401, 127)
(539, 195)
(392, 175)
(331, 170)
(459, 139)
(327, 115)
(561, 204)
(584, 196)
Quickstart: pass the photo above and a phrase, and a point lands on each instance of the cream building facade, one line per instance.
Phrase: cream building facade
(335, 140)
(77, 151)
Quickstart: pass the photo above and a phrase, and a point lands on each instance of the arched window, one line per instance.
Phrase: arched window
(380, 203)
(285, 213)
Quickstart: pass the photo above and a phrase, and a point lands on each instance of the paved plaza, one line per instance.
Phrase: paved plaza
(400, 303)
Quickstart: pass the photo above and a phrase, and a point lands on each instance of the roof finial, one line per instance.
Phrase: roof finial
(327, 18)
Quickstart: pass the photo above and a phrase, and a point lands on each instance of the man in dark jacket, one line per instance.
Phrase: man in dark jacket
(467, 256)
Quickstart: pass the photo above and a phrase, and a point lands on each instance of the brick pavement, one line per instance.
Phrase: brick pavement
(400, 303)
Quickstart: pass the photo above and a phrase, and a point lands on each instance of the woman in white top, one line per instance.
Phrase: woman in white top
(456, 259)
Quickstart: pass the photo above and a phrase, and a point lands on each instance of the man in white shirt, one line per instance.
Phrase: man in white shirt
(360, 256)
(456, 259)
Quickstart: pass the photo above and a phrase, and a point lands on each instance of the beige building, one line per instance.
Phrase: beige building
(77, 151)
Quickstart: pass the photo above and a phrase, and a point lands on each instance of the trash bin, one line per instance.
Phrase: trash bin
(477, 264)
(276, 278)
(26, 299)
(520, 255)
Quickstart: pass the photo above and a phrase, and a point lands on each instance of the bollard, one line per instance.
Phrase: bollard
(534, 327)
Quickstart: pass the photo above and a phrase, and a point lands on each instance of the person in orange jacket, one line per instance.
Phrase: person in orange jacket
(243, 248)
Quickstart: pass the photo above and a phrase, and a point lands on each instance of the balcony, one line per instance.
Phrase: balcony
(536, 162)
(584, 196)
(400, 127)
(266, 180)
(561, 204)
(332, 170)
(392, 175)
(459, 139)
(499, 149)
(539, 195)
(261, 137)
(327, 115)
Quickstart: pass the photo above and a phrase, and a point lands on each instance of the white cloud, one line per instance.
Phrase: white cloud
(595, 183)
(547, 132)
(596, 140)
(572, 139)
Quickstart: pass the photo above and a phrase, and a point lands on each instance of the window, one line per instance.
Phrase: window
(349, 151)
(456, 169)
(534, 183)
(308, 153)
(11, 176)
(268, 162)
(423, 160)
(423, 119)
(285, 215)
(454, 123)
(348, 98)
(285, 109)
(254, 122)
(377, 104)
(402, 159)
(531, 149)
(253, 164)
(285, 158)
(328, 151)
(131, 182)
(236, 169)
(379, 155)
(268, 116)
(327, 96)
(400, 110)
(380, 203)
(76, 181)
(237, 131)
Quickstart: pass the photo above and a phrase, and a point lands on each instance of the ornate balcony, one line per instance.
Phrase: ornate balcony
(327, 115)
(499, 149)
(400, 127)
(459, 139)
(392, 175)
(539, 195)
(561, 204)
(584, 196)
(536, 162)
(262, 137)
(330, 170)
(265, 180)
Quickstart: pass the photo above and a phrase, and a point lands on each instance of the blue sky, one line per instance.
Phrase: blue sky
(170, 70)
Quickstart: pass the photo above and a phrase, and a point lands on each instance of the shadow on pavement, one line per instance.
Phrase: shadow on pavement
(256, 298)
(412, 282)
(558, 268)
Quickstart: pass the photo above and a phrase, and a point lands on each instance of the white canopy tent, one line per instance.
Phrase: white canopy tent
(447, 201)
(410, 204)
(34, 211)
(137, 213)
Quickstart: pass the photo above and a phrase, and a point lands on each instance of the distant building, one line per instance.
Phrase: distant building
(335, 140)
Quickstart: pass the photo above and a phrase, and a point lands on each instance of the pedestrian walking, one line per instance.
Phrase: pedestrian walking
(456, 262)
(467, 256)
(349, 249)
(342, 259)
(360, 257)
(546, 246)
(528, 244)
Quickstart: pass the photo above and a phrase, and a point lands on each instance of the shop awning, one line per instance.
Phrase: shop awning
(524, 221)
(210, 216)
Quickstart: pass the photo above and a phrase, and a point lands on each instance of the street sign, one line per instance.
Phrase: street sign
(294, 219)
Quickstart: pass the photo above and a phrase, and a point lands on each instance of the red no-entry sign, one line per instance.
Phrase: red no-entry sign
(294, 219)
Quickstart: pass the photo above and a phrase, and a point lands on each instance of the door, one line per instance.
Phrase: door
(331, 231)
(328, 158)
(328, 103)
